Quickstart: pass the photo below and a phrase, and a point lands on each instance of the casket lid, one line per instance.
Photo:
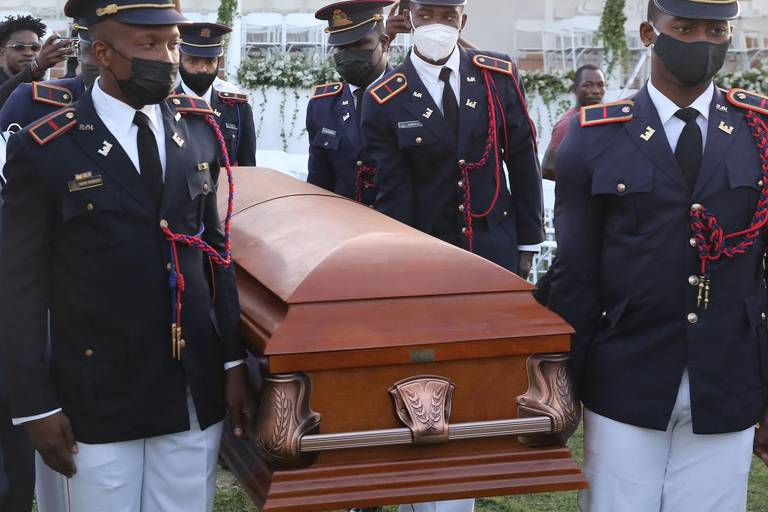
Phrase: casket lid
(306, 244)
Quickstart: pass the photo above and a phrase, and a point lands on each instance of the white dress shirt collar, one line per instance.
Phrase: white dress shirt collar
(667, 108)
(189, 92)
(430, 72)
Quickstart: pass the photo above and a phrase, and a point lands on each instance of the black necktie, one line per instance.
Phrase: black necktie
(689, 151)
(149, 158)
(450, 105)
(359, 104)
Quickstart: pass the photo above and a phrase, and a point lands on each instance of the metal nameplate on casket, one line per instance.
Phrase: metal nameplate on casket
(398, 368)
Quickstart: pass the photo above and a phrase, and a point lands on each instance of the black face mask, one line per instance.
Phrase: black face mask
(151, 81)
(89, 73)
(355, 66)
(198, 82)
(691, 63)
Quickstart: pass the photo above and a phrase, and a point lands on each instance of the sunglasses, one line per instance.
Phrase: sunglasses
(35, 47)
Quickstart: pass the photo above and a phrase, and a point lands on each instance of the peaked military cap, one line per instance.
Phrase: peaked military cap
(130, 12)
(80, 30)
(350, 21)
(203, 39)
(455, 3)
(700, 9)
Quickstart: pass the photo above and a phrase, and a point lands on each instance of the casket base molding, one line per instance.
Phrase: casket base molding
(367, 484)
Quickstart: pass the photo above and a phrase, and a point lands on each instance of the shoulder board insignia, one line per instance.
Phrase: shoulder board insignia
(325, 90)
(389, 88)
(606, 113)
(233, 97)
(190, 105)
(494, 64)
(51, 94)
(748, 100)
(52, 126)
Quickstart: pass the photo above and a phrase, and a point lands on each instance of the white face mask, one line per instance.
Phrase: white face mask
(435, 42)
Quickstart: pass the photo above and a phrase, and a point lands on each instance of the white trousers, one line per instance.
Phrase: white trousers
(171, 473)
(633, 469)
(441, 506)
(50, 488)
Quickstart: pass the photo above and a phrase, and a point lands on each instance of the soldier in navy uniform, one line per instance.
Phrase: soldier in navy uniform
(338, 160)
(442, 128)
(110, 222)
(31, 101)
(201, 50)
(660, 215)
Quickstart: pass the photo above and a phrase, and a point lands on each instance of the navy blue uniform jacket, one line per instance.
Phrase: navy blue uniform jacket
(336, 149)
(625, 263)
(21, 108)
(96, 258)
(417, 156)
(235, 118)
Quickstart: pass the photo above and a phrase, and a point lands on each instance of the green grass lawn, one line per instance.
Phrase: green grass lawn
(231, 498)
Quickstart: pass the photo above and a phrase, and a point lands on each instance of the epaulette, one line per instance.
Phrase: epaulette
(606, 113)
(389, 88)
(494, 64)
(233, 97)
(325, 90)
(51, 94)
(53, 125)
(748, 100)
(190, 105)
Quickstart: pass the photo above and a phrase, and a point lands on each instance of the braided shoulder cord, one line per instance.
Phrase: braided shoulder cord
(361, 183)
(709, 234)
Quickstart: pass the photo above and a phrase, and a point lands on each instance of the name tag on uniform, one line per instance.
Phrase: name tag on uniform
(84, 181)
(328, 131)
(404, 125)
(231, 126)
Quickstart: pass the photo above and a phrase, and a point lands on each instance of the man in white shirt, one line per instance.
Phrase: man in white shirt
(660, 212)
(145, 362)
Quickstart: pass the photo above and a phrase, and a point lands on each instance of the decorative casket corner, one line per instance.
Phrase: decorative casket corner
(550, 394)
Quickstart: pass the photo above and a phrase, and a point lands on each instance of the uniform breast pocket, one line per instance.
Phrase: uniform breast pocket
(626, 191)
(413, 135)
(326, 139)
(199, 181)
(93, 218)
(746, 185)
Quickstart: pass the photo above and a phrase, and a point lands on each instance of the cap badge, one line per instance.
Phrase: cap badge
(206, 33)
(340, 19)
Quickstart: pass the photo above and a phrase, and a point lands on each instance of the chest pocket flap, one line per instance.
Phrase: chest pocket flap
(90, 202)
(327, 139)
(622, 181)
(743, 176)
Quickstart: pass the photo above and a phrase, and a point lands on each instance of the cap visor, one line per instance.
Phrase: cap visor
(153, 16)
(206, 53)
(350, 36)
(699, 10)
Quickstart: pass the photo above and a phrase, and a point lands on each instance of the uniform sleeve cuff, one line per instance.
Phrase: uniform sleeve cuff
(232, 364)
(529, 248)
(27, 419)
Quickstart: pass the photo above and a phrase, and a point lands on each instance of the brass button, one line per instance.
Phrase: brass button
(69, 115)
(461, 183)
(89, 207)
(419, 140)
(461, 208)
(359, 163)
(65, 96)
(462, 162)
(604, 314)
(463, 231)
(505, 213)
(325, 143)
(763, 315)
(621, 188)
(696, 207)
(163, 223)
(88, 352)
(168, 266)
(692, 242)
(693, 280)
(182, 343)
(205, 187)
(693, 318)
(760, 183)
(176, 102)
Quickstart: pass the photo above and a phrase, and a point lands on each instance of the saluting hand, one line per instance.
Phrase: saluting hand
(760, 445)
(241, 403)
(52, 437)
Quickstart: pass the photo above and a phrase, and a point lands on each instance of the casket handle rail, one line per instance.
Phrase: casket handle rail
(285, 425)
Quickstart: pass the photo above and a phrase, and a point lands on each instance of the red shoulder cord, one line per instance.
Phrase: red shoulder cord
(495, 109)
(224, 260)
(708, 233)
(360, 181)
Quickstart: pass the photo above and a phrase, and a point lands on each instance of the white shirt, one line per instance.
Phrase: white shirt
(430, 75)
(118, 118)
(189, 92)
(673, 126)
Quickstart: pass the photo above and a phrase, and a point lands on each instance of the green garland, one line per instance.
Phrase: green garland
(285, 70)
(226, 16)
(611, 32)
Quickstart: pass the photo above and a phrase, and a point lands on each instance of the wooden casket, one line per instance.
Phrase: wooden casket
(397, 368)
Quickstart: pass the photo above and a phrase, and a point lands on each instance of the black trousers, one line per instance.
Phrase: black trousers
(17, 471)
